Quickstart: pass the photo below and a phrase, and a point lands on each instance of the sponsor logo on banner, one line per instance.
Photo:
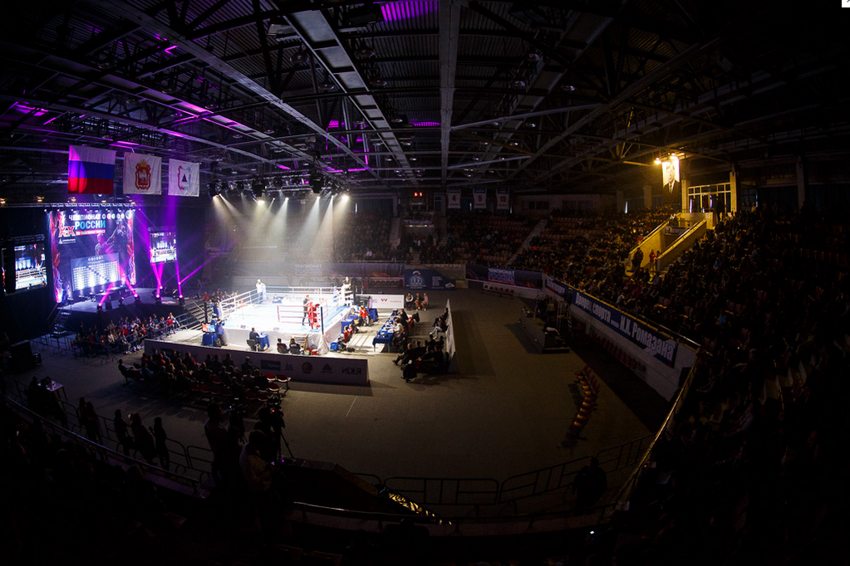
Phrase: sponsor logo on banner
(352, 371)
(270, 364)
(416, 280)
(288, 367)
(307, 367)
(327, 369)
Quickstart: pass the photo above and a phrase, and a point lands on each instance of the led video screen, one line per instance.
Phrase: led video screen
(30, 267)
(163, 246)
(92, 251)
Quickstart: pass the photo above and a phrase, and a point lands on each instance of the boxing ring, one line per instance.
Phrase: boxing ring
(310, 315)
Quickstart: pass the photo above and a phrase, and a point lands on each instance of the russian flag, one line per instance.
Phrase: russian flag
(91, 171)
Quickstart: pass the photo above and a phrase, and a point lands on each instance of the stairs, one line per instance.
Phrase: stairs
(195, 314)
(536, 231)
(61, 322)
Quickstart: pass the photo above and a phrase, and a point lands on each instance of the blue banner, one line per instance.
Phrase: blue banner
(651, 340)
(516, 277)
(426, 280)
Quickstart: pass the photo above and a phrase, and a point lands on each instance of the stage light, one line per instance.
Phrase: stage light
(158, 300)
(137, 299)
(120, 301)
(213, 188)
(181, 301)
(99, 308)
(257, 189)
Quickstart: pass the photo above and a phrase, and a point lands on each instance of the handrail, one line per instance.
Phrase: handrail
(626, 490)
(105, 453)
(647, 237)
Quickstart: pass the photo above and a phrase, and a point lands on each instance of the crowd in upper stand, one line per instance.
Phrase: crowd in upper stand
(581, 249)
(364, 236)
(751, 463)
(479, 237)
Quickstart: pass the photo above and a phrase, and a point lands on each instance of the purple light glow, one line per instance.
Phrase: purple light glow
(173, 133)
(284, 167)
(50, 120)
(395, 11)
(170, 49)
(27, 109)
(426, 124)
(189, 107)
(333, 124)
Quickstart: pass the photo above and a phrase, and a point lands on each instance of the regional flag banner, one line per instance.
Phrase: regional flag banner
(90, 171)
(479, 198)
(502, 199)
(142, 174)
(454, 198)
(183, 178)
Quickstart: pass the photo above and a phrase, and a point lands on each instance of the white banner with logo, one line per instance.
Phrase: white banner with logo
(142, 174)
(183, 178)
(387, 302)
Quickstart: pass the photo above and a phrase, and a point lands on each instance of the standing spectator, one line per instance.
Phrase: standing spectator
(89, 421)
(216, 433)
(143, 439)
(161, 449)
(590, 484)
(652, 257)
(122, 431)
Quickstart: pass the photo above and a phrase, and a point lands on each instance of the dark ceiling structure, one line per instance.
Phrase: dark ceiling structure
(557, 96)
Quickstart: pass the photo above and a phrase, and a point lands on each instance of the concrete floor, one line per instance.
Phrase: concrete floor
(505, 413)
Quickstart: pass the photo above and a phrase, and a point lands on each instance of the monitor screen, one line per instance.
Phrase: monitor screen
(163, 246)
(92, 251)
(30, 267)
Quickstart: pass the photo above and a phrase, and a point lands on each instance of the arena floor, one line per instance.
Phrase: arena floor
(505, 413)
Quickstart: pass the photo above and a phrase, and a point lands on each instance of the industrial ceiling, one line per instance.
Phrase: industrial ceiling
(385, 97)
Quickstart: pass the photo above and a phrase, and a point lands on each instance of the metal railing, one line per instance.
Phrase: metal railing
(107, 455)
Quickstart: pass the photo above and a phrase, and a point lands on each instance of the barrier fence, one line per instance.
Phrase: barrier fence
(195, 462)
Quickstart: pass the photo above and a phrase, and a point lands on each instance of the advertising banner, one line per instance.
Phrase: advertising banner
(426, 279)
(652, 341)
(386, 302)
(519, 278)
(91, 249)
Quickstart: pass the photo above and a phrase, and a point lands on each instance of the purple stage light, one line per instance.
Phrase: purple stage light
(395, 11)
(426, 124)
(284, 167)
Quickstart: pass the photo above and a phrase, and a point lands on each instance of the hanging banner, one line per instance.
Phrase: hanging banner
(142, 174)
(479, 198)
(183, 178)
(670, 173)
(454, 198)
(502, 200)
(90, 171)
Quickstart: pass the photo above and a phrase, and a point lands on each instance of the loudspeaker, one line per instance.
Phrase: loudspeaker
(9, 268)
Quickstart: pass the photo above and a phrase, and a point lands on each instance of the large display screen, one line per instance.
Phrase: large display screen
(163, 246)
(92, 251)
(30, 266)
